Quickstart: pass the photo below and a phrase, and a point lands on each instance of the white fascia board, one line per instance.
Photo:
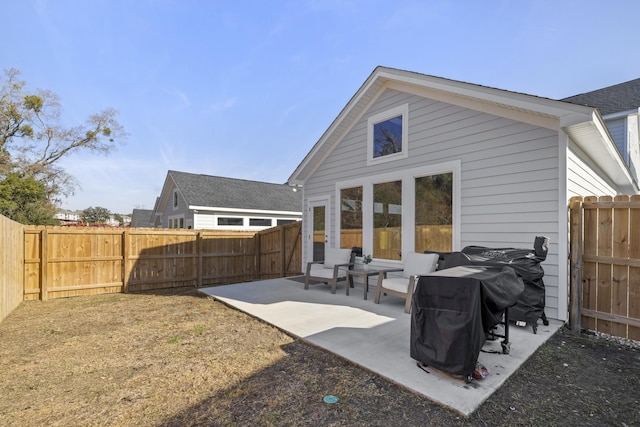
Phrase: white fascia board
(243, 211)
(516, 100)
(620, 114)
(539, 111)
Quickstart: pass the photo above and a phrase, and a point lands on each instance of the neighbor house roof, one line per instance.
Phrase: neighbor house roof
(206, 191)
(582, 123)
(612, 99)
(141, 218)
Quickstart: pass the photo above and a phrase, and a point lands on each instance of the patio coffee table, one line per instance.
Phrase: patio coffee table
(365, 272)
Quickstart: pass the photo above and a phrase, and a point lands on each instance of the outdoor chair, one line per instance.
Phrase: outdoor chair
(414, 265)
(332, 269)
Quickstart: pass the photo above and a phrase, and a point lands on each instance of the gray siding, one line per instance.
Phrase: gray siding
(509, 183)
(168, 211)
(618, 130)
(633, 140)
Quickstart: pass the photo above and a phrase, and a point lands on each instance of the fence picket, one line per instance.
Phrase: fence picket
(620, 277)
(589, 268)
(604, 268)
(634, 272)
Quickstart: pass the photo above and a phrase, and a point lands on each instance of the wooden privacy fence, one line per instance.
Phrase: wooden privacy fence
(71, 261)
(11, 261)
(605, 265)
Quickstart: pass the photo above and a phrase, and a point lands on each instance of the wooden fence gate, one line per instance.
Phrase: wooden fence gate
(605, 265)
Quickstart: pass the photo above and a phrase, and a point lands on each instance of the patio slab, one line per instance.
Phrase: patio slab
(376, 336)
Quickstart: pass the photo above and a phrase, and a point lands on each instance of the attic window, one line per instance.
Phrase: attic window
(175, 198)
(387, 135)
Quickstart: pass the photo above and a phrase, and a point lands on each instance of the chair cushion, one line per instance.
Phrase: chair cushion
(320, 270)
(335, 256)
(418, 264)
(398, 284)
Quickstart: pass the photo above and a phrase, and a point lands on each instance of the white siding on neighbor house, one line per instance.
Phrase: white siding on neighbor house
(209, 220)
(509, 173)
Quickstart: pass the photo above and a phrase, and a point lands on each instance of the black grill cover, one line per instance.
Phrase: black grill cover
(453, 310)
(526, 263)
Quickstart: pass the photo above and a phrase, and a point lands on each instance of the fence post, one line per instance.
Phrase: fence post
(44, 261)
(199, 245)
(256, 253)
(283, 252)
(575, 265)
(125, 261)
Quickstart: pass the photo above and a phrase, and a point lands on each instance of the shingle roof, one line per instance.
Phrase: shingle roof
(612, 99)
(141, 218)
(215, 191)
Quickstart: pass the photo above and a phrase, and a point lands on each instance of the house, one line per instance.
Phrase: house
(199, 201)
(415, 162)
(619, 106)
(67, 217)
(73, 218)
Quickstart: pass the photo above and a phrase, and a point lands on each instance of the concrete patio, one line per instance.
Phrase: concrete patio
(376, 336)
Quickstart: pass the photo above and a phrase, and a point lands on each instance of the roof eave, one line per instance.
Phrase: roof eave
(544, 109)
(593, 138)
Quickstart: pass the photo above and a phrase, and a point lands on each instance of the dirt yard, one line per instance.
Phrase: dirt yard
(177, 358)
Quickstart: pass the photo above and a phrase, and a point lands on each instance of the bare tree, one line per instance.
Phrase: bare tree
(33, 140)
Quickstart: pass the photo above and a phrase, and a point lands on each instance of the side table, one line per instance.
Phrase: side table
(365, 273)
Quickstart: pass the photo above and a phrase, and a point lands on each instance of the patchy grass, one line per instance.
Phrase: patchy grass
(177, 358)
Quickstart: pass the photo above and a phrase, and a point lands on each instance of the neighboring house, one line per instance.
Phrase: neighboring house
(67, 217)
(200, 201)
(619, 106)
(142, 218)
(415, 162)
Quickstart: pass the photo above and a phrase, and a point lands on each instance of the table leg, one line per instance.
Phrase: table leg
(366, 285)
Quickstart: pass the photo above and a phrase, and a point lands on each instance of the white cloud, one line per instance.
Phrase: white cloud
(220, 106)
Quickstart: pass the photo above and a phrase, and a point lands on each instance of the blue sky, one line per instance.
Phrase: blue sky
(244, 88)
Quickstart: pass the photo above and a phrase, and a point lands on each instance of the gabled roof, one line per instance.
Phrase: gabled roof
(141, 218)
(592, 138)
(206, 191)
(612, 99)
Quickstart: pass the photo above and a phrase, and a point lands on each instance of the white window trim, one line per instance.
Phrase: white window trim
(175, 220)
(401, 110)
(407, 177)
(175, 200)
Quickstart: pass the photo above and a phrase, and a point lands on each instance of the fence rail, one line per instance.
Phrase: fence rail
(71, 261)
(605, 265)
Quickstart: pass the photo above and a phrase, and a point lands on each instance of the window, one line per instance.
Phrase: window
(175, 198)
(387, 135)
(387, 220)
(285, 221)
(260, 222)
(230, 221)
(404, 210)
(434, 214)
(351, 217)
